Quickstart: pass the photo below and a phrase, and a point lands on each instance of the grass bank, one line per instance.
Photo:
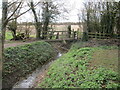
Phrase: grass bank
(73, 70)
(22, 60)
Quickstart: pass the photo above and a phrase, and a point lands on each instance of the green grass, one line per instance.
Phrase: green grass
(32, 36)
(106, 58)
(8, 35)
(72, 71)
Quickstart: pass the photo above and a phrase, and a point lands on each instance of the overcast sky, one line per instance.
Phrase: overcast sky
(73, 5)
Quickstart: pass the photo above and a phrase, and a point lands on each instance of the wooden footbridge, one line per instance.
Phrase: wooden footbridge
(62, 36)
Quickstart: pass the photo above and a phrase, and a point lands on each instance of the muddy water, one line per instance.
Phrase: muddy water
(30, 80)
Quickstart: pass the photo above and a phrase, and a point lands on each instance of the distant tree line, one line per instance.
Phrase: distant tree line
(101, 17)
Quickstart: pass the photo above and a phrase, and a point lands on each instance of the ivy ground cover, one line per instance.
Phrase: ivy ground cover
(74, 70)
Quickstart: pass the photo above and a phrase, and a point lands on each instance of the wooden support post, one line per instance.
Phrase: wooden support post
(69, 31)
(74, 34)
(57, 36)
(51, 34)
(62, 33)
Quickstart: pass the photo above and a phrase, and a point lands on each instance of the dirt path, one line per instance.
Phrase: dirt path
(18, 43)
(14, 44)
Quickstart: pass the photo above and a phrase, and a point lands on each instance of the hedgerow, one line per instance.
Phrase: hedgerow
(71, 71)
(22, 60)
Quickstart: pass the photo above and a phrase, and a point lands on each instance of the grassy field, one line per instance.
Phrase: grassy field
(8, 35)
(76, 69)
(106, 58)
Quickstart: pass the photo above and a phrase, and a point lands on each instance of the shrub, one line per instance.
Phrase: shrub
(21, 61)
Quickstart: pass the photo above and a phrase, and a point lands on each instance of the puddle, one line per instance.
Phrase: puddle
(30, 80)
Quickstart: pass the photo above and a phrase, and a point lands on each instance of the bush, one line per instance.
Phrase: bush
(22, 60)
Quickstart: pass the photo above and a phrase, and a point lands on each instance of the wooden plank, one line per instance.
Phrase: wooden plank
(59, 31)
(58, 40)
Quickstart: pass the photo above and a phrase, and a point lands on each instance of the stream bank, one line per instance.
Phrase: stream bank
(37, 76)
(30, 81)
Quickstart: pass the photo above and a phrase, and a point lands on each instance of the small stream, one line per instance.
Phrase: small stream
(30, 80)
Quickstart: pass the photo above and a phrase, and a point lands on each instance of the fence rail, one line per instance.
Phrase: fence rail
(61, 34)
(103, 35)
(77, 35)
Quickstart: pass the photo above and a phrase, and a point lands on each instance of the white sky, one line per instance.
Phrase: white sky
(73, 5)
(0, 9)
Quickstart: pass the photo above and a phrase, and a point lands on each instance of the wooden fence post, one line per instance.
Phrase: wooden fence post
(78, 33)
(51, 34)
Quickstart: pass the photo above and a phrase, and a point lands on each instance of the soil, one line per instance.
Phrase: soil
(17, 43)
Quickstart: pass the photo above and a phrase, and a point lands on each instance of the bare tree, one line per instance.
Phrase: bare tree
(49, 13)
(38, 24)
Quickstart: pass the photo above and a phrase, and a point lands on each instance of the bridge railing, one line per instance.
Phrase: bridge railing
(62, 34)
(77, 35)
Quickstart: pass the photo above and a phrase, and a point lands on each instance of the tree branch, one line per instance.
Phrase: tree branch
(19, 15)
(22, 13)
(14, 11)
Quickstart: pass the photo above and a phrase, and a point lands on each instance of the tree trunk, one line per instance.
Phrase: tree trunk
(46, 22)
(0, 59)
(3, 29)
(45, 29)
(14, 29)
(85, 34)
(85, 37)
(38, 25)
(14, 34)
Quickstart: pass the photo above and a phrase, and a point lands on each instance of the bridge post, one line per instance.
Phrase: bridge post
(69, 31)
(74, 34)
(57, 36)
